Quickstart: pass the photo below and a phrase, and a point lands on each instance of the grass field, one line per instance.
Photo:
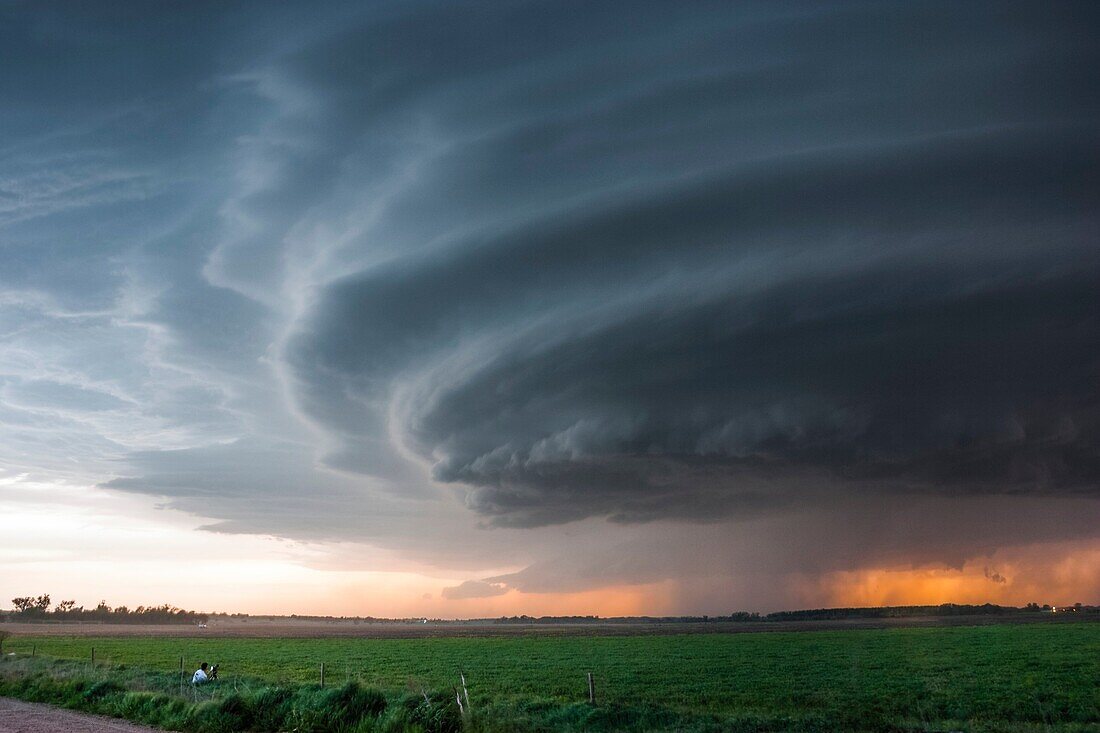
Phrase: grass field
(1013, 677)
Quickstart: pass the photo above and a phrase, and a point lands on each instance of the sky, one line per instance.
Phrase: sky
(478, 309)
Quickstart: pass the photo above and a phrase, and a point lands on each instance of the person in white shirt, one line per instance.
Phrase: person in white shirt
(200, 675)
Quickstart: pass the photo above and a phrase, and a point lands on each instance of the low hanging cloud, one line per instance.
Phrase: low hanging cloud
(474, 589)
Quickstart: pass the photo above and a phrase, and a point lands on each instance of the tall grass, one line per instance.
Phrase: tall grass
(154, 698)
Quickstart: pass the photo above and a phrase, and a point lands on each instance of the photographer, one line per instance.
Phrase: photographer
(204, 674)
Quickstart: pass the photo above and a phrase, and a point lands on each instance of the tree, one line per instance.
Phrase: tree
(29, 606)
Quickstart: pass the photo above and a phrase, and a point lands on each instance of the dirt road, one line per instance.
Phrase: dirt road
(27, 717)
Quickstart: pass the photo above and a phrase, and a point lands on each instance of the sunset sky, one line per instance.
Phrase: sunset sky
(471, 309)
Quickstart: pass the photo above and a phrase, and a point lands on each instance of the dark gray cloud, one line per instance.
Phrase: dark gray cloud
(765, 289)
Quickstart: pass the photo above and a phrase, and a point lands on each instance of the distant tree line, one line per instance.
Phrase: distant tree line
(946, 609)
(30, 608)
(816, 614)
(738, 616)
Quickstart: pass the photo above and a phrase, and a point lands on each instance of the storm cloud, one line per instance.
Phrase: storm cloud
(563, 295)
(891, 284)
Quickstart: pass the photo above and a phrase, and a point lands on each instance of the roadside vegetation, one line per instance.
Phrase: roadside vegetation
(1032, 677)
(157, 698)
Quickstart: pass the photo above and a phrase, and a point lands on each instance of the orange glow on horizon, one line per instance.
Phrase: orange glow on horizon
(1054, 573)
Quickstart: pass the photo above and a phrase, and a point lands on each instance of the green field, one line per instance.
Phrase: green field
(1010, 677)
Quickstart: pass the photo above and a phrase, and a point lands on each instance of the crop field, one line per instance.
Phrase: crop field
(995, 677)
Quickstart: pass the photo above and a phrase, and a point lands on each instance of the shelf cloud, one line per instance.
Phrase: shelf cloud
(481, 285)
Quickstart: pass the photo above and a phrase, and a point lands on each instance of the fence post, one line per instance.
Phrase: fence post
(322, 674)
(34, 648)
(181, 676)
(591, 690)
(93, 655)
